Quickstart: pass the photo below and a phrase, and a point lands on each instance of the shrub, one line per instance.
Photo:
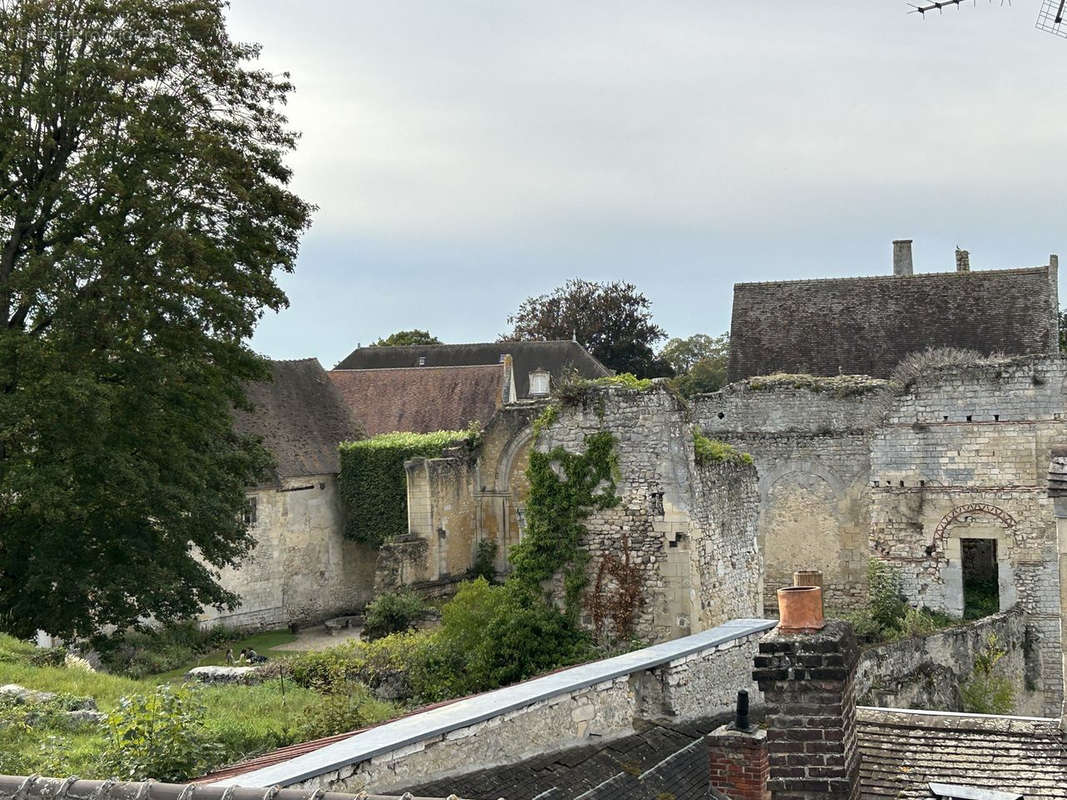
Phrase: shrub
(987, 691)
(710, 451)
(392, 612)
(484, 565)
(346, 707)
(322, 668)
(159, 736)
(150, 651)
(48, 656)
(885, 602)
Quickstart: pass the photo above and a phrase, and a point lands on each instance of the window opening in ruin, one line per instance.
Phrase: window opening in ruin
(655, 504)
(946, 418)
(721, 415)
(968, 417)
(996, 418)
(249, 514)
(981, 592)
(680, 540)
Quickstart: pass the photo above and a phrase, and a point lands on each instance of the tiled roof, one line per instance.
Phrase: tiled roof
(422, 399)
(661, 759)
(301, 417)
(556, 357)
(867, 325)
(903, 751)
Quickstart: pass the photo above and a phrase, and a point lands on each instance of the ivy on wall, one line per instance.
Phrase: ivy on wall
(565, 488)
(373, 485)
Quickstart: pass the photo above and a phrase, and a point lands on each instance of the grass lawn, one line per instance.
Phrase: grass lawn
(263, 643)
(244, 719)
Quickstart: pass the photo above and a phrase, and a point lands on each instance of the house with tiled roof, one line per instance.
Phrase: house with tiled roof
(302, 568)
(424, 388)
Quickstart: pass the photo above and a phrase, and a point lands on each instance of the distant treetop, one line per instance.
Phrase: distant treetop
(411, 337)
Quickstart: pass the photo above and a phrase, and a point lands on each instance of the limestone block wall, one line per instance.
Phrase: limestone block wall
(927, 671)
(689, 678)
(810, 440)
(688, 532)
(962, 455)
(302, 569)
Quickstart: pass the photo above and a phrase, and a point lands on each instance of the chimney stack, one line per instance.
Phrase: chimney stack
(737, 757)
(902, 257)
(805, 669)
(963, 261)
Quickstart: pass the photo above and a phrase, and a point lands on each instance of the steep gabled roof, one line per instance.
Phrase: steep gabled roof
(422, 399)
(865, 326)
(301, 417)
(556, 357)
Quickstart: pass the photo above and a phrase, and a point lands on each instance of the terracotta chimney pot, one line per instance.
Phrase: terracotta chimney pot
(800, 608)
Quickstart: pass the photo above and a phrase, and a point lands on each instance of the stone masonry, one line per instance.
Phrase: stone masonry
(688, 530)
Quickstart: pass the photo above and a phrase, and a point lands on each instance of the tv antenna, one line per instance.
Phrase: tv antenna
(1051, 17)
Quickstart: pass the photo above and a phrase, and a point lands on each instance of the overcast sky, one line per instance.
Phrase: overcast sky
(466, 155)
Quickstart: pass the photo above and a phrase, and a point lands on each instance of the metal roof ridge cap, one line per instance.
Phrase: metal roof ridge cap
(664, 652)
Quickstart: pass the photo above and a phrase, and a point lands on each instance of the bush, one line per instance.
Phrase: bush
(885, 602)
(484, 565)
(346, 707)
(159, 736)
(710, 451)
(320, 669)
(986, 691)
(150, 651)
(392, 612)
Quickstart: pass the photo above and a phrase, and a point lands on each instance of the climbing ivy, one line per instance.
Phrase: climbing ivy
(565, 488)
(373, 485)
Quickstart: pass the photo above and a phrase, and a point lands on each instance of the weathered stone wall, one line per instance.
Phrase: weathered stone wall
(810, 440)
(688, 532)
(302, 569)
(962, 454)
(702, 684)
(927, 672)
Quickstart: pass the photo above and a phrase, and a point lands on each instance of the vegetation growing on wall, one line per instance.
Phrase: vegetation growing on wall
(711, 451)
(373, 484)
(564, 489)
(839, 386)
(573, 387)
(988, 691)
(887, 617)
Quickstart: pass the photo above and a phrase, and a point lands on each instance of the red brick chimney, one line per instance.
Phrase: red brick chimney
(737, 757)
(806, 676)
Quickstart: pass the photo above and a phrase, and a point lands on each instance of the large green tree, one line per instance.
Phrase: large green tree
(613, 321)
(143, 213)
(699, 362)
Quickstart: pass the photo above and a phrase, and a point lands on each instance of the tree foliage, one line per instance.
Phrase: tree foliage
(143, 212)
(611, 320)
(411, 337)
(699, 362)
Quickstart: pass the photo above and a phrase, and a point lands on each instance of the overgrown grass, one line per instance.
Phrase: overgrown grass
(244, 719)
(711, 451)
(887, 617)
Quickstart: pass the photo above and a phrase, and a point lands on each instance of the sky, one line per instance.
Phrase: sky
(466, 155)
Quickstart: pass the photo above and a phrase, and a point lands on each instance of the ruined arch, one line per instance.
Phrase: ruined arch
(941, 531)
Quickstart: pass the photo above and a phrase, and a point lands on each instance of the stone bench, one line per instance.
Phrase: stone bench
(338, 623)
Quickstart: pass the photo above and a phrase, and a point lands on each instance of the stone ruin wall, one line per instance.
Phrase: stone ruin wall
(849, 470)
(963, 454)
(689, 531)
(812, 453)
(302, 568)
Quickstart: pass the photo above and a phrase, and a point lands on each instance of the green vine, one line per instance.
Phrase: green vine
(373, 485)
(545, 418)
(565, 488)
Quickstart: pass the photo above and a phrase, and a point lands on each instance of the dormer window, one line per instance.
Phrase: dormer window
(540, 380)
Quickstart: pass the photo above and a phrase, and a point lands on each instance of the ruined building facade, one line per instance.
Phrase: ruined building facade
(938, 477)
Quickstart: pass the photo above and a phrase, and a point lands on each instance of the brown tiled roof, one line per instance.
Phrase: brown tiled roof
(867, 325)
(421, 399)
(301, 417)
(903, 751)
(556, 357)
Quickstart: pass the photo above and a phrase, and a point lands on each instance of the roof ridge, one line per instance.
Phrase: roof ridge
(424, 368)
(970, 273)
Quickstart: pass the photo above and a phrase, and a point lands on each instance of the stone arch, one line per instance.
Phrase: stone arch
(502, 478)
(941, 531)
(509, 491)
(771, 474)
(954, 528)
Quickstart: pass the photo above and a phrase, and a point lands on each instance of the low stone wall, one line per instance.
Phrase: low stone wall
(696, 676)
(926, 672)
